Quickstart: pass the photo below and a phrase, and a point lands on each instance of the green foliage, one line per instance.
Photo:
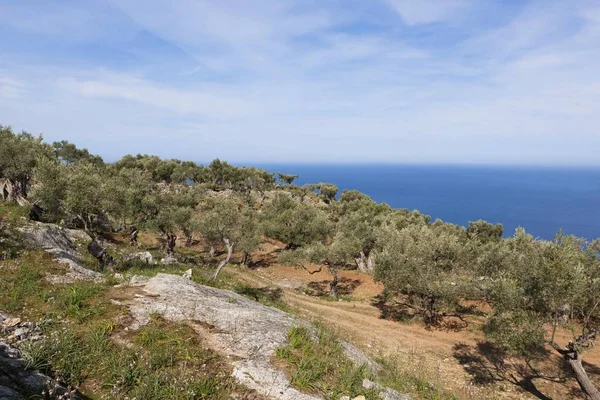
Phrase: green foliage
(519, 332)
(428, 266)
(484, 231)
(68, 154)
(316, 363)
(287, 179)
(294, 223)
(326, 191)
(19, 154)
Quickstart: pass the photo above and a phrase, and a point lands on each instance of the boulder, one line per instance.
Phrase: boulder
(143, 256)
(59, 242)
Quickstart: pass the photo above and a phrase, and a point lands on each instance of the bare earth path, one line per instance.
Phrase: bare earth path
(427, 353)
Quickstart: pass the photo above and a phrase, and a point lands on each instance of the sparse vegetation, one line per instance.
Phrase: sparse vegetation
(316, 363)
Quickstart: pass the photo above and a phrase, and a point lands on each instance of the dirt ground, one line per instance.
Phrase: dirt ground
(459, 360)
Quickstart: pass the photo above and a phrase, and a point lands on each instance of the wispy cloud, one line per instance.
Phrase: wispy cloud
(328, 80)
(428, 11)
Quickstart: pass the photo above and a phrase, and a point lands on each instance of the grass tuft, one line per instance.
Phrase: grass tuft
(317, 364)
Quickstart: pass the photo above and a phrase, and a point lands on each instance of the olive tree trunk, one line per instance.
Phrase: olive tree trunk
(333, 285)
(583, 379)
(572, 356)
(365, 262)
(133, 234)
(170, 245)
(223, 263)
(14, 191)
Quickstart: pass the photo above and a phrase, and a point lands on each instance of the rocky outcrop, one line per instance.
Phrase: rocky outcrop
(60, 242)
(235, 325)
(17, 382)
(242, 329)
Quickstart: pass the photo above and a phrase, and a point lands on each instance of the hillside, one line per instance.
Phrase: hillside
(150, 278)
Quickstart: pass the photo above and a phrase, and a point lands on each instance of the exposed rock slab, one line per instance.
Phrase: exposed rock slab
(60, 242)
(239, 327)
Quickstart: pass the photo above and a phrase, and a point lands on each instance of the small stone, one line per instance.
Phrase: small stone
(361, 397)
(20, 332)
(188, 274)
(9, 323)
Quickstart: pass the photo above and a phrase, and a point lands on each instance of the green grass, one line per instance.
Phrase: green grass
(163, 361)
(13, 213)
(317, 364)
(395, 375)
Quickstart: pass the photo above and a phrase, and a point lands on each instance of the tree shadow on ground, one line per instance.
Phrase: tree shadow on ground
(321, 288)
(487, 364)
(393, 310)
(390, 310)
(262, 261)
(260, 294)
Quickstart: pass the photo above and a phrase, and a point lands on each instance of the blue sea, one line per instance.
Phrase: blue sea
(540, 199)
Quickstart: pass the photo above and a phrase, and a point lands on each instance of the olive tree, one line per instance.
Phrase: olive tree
(543, 284)
(294, 223)
(359, 219)
(287, 179)
(223, 220)
(426, 269)
(19, 154)
(335, 256)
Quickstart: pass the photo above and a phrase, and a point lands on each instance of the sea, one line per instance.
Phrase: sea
(540, 199)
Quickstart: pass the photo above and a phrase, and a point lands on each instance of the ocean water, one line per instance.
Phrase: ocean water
(540, 199)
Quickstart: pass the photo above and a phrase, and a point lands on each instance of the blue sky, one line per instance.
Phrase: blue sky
(428, 81)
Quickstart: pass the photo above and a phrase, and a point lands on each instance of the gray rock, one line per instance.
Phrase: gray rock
(59, 242)
(233, 324)
(188, 274)
(138, 280)
(170, 260)
(143, 256)
(385, 393)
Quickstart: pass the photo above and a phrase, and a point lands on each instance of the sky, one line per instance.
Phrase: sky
(311, 81)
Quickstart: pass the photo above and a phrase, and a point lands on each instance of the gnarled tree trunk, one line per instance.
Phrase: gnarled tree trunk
(133, 234)
(223, 263)
(333, 285)
(170, 245)
(572, 356)
(100, 253)
(583, 379)
(14, 191)
(365, 263)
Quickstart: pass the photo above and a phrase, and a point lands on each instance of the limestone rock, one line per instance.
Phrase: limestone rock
(59, 242)
(143, 256)
(169, 260)
(385, 393)
(233, 324)
(188, 274)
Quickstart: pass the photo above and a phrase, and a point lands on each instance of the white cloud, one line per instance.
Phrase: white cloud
(416, 12)
(11, 88)
(202, 102)
(293, 80)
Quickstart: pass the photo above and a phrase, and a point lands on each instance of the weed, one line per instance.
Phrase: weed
(316, 363)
